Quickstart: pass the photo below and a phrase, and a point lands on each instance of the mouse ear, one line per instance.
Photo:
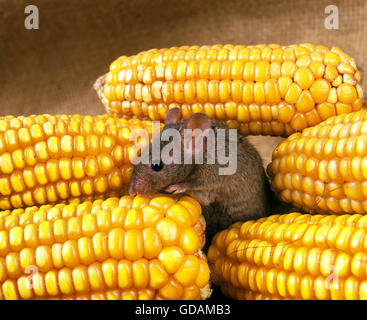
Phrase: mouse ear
(173, 116)
(198, 121)
(195, 133)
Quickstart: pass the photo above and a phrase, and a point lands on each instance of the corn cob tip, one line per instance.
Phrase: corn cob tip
(99, 84)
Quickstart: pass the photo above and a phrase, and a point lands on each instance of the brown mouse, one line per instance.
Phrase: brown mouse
(239, 196)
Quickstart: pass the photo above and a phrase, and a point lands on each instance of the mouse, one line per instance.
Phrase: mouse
(227, 196)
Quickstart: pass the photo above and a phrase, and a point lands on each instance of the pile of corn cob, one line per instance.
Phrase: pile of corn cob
(127, 248)
(68, 231)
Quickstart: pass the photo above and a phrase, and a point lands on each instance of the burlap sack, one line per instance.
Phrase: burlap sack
(53, 69)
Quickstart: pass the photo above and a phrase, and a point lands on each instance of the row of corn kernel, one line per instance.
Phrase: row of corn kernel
(16, 193)
(112, 274)
(32, 245)
(314, 260)
(295, 287)
(304, 70)
(85, 251)
(21, 176)
(156, 208)
(271, 91)
(271, 53)
(337, 199)
(334, 171)
(73, 223)
(325, 203)
(63, 142)
(324, 148)
(43, 125)
(284, 117)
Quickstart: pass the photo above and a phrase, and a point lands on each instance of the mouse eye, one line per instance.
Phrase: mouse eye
(157, 166)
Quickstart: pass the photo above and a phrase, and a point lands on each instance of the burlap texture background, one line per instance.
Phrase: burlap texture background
(52, 69)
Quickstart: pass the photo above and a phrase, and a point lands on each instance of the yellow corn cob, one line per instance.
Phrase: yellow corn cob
(44, 159)
(120, 248)
(263, 89)
(292, 256)
(324, 168)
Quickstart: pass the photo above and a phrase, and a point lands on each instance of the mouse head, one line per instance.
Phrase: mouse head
(158, 174)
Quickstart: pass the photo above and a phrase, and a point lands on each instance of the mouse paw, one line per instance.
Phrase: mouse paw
(176, 188)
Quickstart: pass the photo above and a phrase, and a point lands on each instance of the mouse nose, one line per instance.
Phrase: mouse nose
(132, 190)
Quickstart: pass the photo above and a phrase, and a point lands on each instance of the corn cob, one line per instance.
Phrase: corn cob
(263, 89)
(45, 159)
(324, 168)
(292, 256)
(120, 248)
